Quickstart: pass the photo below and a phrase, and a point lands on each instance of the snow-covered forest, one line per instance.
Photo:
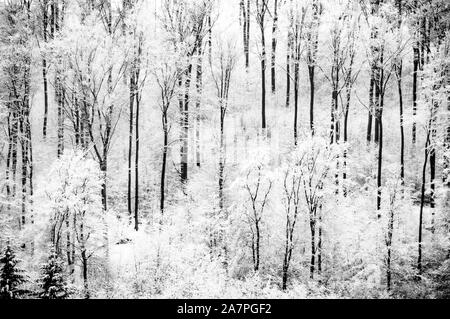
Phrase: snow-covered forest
(224, 149)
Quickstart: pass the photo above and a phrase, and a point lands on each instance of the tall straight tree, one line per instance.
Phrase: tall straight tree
(16, 87)
(199, 89)
(399, 76)
(262, 8)
(139, 83)
(167, 74)
(44, 6)
(187, 23)
(245, 22)
(276, 6)
(297, 33)
(127, 7)
(374, 56)
(312, 41)
(289, 52)
(350, 77)
(222, 80)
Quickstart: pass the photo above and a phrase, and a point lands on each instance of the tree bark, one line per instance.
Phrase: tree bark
(312, 225)
(371, 106)
(288, 63)
(311, 98)
(422, 201)
(274, 45)
(44, 70)
(199, 87)
(130, 138)
(263, 78)
(414, 89)
(164, 161)
(136, 164)
(185, 127)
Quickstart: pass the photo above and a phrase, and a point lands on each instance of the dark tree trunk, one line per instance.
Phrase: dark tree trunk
(245, 11)
(60, 96)
(313, 39)
(256, 246)
(389, 247)
(432, 152)
(380, 162)
(398, 73)
(446, 176)
(312, 264)
(263, 78)
(247, 36)
(422, 201)
(199, 85)
(274, 46)
(414, 90)
(24, 151)
(84, 261)
(44, 75)
(370, 116)
(311, 98)
(185, 127)
(104, 169)
(164, 163)
(130, 138)
(402, 131)
(348, 89)
(287, 253)
(136, 164)
(296, 80)
(380, 89)
(288, 65)
(319, 244)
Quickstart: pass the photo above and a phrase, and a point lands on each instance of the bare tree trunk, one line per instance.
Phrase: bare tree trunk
(348, 91)
(164, 163)
(311, 98)
(312, 225)
(104, 169)
(399, 69)
(402, 131)
(130, 138)
(274, 45)
(185, 127)
(389, 247)
(446, 166)
(257, 245)
(319, 243)
(84, 262)
(247, 36)
(371, 106)
(422, 200)
(263, 78)
(379, 125)
(136, 165)
(380, 162)
(223, 216)
(296, 80)
(433, 173)
(313, 38)
(44, 66)
(414, 89)
(60, 96)
(199, 85)
(288, 63)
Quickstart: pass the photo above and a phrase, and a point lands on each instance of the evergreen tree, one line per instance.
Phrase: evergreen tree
(53, 281)
(11, 276)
